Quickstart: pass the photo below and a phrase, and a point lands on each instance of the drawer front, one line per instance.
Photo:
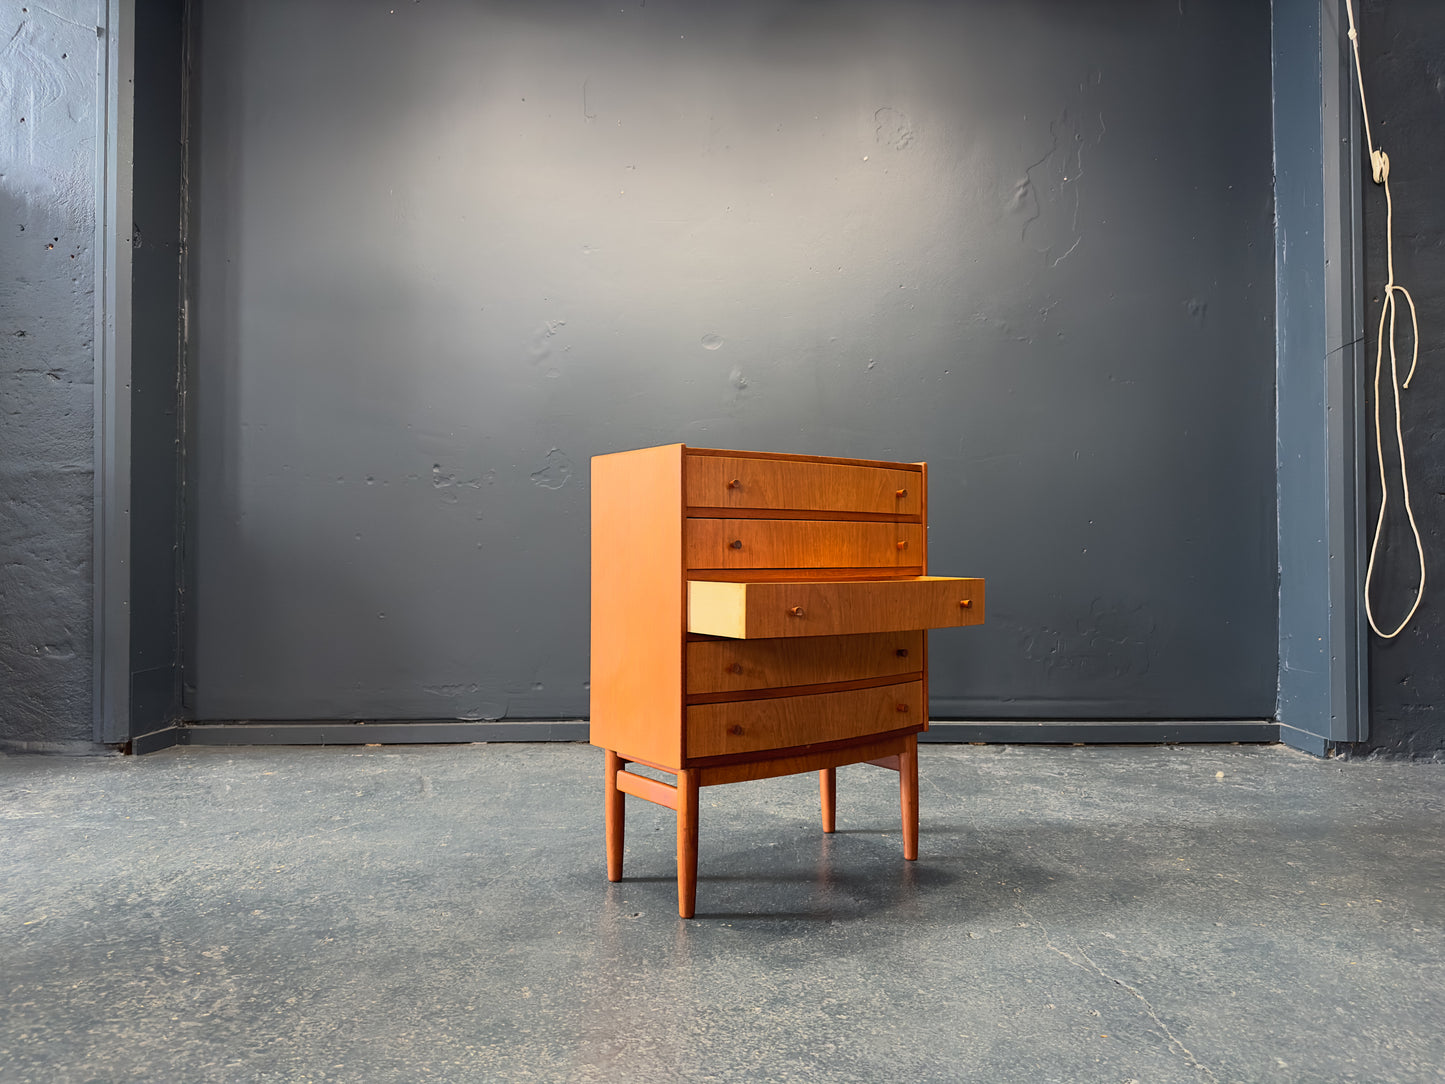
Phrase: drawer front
(748, 726)
(801, 543)
(722, 666)
(719, 482)
(755, 610)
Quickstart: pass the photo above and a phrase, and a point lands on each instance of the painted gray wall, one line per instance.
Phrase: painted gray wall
(1321, 653)
(156, 431)
(1300, 345)
(445, 254)
(49, 86)
(1402, 46)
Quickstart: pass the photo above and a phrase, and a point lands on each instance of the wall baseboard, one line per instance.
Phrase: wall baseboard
(1102, 732)
(420, 732)
(9, 747)
(382, 732)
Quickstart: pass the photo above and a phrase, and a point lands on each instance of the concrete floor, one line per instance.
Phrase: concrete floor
(1119, 914)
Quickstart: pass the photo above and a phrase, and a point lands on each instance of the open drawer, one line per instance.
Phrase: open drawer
(750, 610)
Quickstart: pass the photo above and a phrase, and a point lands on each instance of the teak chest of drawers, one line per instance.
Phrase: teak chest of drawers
(756, 615)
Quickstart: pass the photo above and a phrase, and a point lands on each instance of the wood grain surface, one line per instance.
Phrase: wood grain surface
(718, 666)
(791, 543)
(743, 726)
(831, 487)
(764, 610)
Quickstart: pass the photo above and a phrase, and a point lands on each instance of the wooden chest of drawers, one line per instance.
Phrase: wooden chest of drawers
(757, 615)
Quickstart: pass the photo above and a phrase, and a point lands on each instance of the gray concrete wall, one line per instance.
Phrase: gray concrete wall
(446, 252)
(1091, 656)
(1403, 51)
(49, 87)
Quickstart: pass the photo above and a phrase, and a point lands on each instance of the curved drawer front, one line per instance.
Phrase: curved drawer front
(757, 610)
(748, 726)
(723, 666)
(800, 543)
(721, 482)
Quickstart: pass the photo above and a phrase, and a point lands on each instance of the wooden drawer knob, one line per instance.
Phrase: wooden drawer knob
(736, 483)
(735, 668)
(902, 709)
(966, 603)
(902, 653)
(796, 611)
(901, 493)
(902, 545)
(736, 728)
(736, 543)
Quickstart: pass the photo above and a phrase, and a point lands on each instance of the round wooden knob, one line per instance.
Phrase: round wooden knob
(966, 603)
(902, 653)
(796, 611)
(736, 543)
(735, 668)
(735, 483)
(736, 728)
(902, 545)
(901, 493)
(902, 709)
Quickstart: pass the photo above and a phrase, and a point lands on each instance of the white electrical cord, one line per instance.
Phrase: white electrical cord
(1380, 167)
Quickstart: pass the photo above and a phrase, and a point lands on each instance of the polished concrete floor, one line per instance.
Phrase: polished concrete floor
(1145, 914)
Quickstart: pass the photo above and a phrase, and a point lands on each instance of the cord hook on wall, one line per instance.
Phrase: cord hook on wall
(1380, 169)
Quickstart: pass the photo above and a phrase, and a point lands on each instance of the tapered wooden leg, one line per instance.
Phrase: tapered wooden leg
(616, 815)
(908, 794)
(686, 842)
(828, 790)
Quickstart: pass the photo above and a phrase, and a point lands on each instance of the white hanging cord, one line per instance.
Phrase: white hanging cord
(1380, 168)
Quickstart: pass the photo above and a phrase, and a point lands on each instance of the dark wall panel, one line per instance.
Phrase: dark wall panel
(1300, 343)
(448, 251)
(1320, 645)
(156, 431)
(1402, 47)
